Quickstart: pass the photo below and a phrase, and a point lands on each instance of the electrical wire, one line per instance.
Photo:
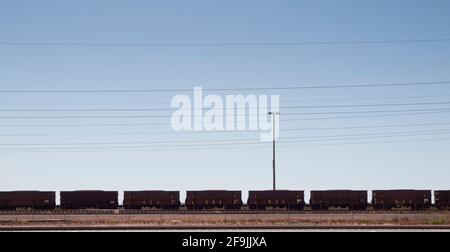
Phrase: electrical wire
(334, 86)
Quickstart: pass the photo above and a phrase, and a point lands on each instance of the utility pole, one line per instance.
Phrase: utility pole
(273, 143)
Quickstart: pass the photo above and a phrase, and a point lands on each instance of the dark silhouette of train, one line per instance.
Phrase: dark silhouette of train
(227, 200)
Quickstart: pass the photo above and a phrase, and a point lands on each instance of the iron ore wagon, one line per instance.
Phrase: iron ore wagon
(276, 199)
(213, 199)
(27, 200)
(151, 199)
(388, 199)
(89, 199)
(353, 200)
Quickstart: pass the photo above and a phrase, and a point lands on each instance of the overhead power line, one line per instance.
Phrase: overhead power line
(189, 146)
(219, 44)
(229, 116)
(234, 132)
(240, 140)
(167, 123)
(367, 126)
(365, 98)
(400, 84)
(235, 108)
(362, 116)
(168, 103)
(219, 148)
(150, 133)
(365, 111)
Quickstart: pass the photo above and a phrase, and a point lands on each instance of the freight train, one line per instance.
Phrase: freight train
(228, 200)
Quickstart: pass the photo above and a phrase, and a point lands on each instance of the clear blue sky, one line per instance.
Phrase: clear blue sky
(408, 163)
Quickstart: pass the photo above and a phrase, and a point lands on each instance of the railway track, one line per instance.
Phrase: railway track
(212, 211)
(229, 228)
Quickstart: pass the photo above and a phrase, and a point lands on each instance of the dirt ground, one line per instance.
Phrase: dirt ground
(439, 220)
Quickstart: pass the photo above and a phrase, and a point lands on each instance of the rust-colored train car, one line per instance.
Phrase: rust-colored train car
(388, 199)
(442, 199)
(353, 200)
(213, 199)
(27, 200)
(151, 199)
(89, 199)
(276, 199)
